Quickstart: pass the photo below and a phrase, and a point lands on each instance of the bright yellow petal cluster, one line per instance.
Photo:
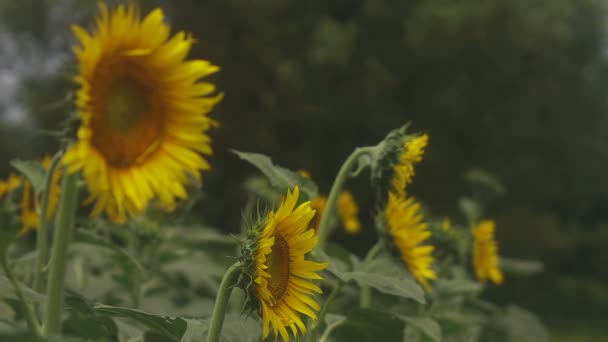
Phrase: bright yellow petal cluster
(485, 252)
(408, 231)
(12, 183)
(143, 112)
(349, 212)
(282, 274)
(413, 150)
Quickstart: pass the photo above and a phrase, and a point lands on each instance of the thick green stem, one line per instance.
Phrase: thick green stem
(64, 225)
(41, 235)
(365, 296)
(341, 177)
(221, 302)
(30, 315)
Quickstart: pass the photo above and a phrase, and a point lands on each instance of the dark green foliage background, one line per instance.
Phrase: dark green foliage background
(514, 87)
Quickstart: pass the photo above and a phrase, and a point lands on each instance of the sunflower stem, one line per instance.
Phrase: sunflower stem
(343, 174)
(30, 314)
(41, 236)
(313, 332)
(365, 296)
(64, 224)
(221, 302)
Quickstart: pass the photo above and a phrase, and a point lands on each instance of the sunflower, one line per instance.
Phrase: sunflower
(408, 231)
(413, 149)
(30, 219)
(282, 275)
(485, 252)
(348, 212)
(12, 183)
(143, 112)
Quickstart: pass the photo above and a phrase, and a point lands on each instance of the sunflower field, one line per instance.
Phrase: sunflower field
(152, 204)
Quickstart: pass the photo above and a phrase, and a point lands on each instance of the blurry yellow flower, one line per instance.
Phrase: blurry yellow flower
(485, 252)
(413, 150)
(29, 212)
(9, 185)
(318, 205)
(408, 231)
(143, 112)
(282, 274)
(348, 212)
(446, 225)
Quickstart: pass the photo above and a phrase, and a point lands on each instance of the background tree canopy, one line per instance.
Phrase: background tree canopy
(514, 88)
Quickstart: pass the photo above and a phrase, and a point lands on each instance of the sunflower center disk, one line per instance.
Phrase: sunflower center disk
(278, 267)
(127, 118)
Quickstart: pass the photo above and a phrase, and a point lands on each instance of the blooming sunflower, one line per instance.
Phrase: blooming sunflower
(408, 231)
(282, 275)
(485, 252)
(348, 212)
(413, 149)
(143, 112)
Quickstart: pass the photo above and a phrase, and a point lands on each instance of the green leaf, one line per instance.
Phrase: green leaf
(87, 237)
(8, 291)
(25, 336)
(456, 286)
(280, 177)
(173, 328)
(427, 326)
(520, 266)
(387, 277)
(522, 326)
(33, 171)
(368, 325)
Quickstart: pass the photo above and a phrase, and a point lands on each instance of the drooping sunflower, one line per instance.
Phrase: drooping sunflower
(143, 112)
(282, 274)
(413, 150)
(408, 231)
(485, 252)
(349, 212)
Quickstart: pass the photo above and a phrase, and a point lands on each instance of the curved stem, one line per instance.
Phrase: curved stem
(41, 235)
(64, 224)
(341, 177)
(30, 315)
(221, 302)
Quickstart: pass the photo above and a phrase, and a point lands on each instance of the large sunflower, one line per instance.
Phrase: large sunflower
(485, 252)
(143, 112)
(282, 275)
(408, 231)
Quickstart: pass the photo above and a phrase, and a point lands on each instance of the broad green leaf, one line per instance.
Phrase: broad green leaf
(25, 336)
(368, 325)
(332, 321)
(87, 237)
(8, 291)
(520, 266)
(427, 326)
(33, 171)
(388, 277)
(280, 177)
(522, 326)
(172, 328)
(239, 328)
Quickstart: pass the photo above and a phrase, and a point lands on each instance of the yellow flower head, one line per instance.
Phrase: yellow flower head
(348, 212)
(143, 112)
(282, 275)
(318, 205)
(413, 150)
(485, 252)
(29, 214)
(408, 231)
(12, 183)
